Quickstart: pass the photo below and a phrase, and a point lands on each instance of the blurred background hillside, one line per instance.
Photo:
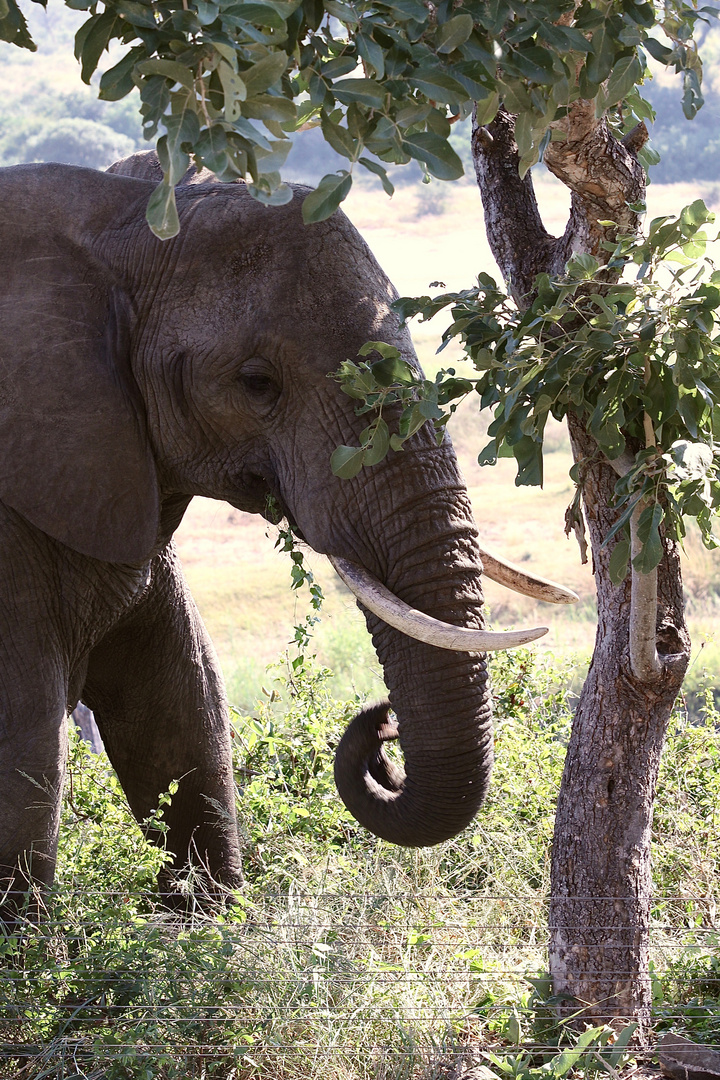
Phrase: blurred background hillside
(426, 233)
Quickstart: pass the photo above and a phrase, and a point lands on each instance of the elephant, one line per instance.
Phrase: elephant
(138, 373)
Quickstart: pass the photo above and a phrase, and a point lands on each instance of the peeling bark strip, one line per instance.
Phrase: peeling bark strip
(601, 875)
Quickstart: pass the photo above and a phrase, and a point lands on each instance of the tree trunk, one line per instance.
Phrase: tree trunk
(601, 881)
(601, 874)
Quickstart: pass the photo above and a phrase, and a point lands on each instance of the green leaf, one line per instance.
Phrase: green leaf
(212, 149)
(434, 152)
(371, 53)
(273, 159)
(343, 12)
(528, 455)
(272, 196)
(376, 167)
(409, 9)
(169, 69)
(13, 27)
(393, 370)
(362, 91)
(600, 62)
(437, 85)
(257, 14)
(454, 33)
(91, 40)
(619, 560)
(691, 460)
(613, 1054)
(648, 533)
(658, 51)
(267, 107)
(696, 214)
(161, 214)
(626, 73)
(173, 149)
(562, 1063)
(207, 11)
(486, 109)
(117, 81)
(137, 14)
(582, 266)
(379, 444)
(534, 64)
(324, 201)
(234, 91)
(388, 352)
(339, 138)
(347, 461)
(265, 73)
(339, 65)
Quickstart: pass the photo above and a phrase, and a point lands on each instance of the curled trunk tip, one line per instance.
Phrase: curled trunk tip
(378, 794)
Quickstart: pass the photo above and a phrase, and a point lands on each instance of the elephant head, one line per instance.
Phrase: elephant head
(137, 373)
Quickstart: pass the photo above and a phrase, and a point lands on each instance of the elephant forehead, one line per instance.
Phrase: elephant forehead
(240, 271)
(229, 231)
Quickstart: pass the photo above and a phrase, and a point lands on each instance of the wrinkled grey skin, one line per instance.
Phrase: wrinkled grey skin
(135, 374)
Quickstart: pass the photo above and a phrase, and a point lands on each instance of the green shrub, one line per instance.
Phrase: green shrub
(342, 953)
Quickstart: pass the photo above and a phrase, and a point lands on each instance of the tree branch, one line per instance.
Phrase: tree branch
(521, 245)
(603, 175)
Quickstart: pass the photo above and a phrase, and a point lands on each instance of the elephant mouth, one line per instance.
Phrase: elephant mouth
(261, 496)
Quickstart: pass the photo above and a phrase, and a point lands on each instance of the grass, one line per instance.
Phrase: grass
(342, 955)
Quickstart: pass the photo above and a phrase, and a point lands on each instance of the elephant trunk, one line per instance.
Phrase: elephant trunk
(441, 700)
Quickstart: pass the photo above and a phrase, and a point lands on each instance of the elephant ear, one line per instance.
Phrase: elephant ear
(74, 453)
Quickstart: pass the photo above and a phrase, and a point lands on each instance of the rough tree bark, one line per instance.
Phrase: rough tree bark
(601, 874)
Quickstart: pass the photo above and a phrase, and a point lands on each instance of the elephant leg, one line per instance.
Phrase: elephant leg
(33, 750)
(31, 777)
(156, 689)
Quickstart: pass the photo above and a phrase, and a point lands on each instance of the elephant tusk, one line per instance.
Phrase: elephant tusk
(517, 579)
(416, 624)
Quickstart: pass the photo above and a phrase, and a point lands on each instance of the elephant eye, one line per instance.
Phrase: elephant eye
(259, 385)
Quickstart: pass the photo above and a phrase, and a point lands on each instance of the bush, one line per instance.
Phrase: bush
(341, 953)
(73, 141)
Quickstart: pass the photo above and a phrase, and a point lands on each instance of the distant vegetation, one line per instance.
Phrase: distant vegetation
(689, 149)
(73, 127)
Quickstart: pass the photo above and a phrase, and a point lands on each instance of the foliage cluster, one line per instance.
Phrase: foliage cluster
(229, 81)
(637, 360)
(340, 949)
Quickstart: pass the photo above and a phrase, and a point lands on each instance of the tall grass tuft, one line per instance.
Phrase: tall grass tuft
(341, 955)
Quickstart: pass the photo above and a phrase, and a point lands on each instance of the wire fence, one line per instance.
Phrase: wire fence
(414, 984)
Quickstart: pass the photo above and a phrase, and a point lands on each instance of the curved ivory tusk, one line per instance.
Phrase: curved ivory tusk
(515, 578)
(423, 627)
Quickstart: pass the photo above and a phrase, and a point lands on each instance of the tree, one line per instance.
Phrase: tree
(632, 366)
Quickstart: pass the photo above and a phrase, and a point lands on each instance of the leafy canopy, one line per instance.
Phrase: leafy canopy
(228, 81)
(639, 360)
